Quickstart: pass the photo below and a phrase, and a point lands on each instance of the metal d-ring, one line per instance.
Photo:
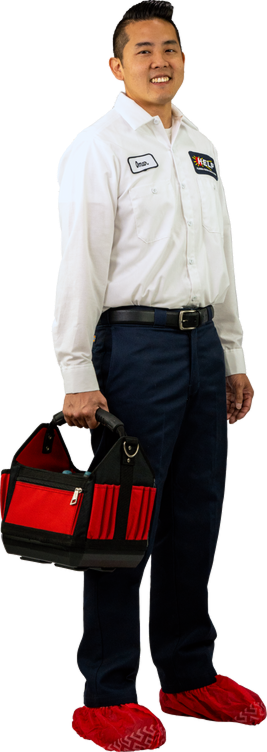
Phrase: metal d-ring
(129, 455)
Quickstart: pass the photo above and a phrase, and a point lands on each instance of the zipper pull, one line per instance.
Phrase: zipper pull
(74, 499)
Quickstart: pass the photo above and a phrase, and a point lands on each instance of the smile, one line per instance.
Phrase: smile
(160, 83)
(160, 80)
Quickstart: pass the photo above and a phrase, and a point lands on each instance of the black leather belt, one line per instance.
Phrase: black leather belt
(183, 318)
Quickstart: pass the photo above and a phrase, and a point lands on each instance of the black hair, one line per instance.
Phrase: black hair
(140, 12)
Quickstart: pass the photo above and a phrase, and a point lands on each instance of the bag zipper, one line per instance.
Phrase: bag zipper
(77, 492)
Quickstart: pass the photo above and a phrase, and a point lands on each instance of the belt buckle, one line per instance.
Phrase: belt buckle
(186, 310)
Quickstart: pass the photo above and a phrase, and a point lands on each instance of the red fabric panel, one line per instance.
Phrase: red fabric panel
(4, 481)
(141, 508)
(104, 509)
(128, 726)
(103, 512)
(32, 455)
(43, 508)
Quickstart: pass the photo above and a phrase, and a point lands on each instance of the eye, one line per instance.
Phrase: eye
(143, 52)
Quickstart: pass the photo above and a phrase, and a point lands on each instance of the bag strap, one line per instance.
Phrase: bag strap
(126, 484)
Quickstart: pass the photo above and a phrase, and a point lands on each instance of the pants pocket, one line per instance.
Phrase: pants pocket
(101, 437)
(101, 355)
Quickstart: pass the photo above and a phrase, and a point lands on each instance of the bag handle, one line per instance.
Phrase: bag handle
(102, 416)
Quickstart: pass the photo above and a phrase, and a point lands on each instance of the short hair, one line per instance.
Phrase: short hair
(141, 11)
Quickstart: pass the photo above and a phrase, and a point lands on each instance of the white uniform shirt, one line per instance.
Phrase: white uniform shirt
(144, 221)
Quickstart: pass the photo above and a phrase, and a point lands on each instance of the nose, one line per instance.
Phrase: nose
(159, 64)
(160, 69)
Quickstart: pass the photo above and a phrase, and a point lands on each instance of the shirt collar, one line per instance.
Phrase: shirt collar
(136, 115)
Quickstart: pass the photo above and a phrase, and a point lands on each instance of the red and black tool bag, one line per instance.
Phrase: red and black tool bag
(100, 521)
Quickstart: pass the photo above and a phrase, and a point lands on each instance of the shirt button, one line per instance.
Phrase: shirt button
(189, 222)
(182, 185)
(156, 120)
(191, 261)
(194, 298)
(154, 190)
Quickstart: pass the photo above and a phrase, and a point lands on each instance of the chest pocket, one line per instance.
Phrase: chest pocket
(154, 210)
(212, 218)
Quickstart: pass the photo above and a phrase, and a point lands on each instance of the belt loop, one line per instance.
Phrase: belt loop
(105, 316)
(210, 312)
(160, 316)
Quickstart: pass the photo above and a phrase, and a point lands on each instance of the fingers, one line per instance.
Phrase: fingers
(237, 414)
(236, 417)
(233, 413)
(77, 423)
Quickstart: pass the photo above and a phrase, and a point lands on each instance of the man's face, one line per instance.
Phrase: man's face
(153, 51)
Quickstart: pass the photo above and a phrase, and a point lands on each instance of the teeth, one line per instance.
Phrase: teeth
(166, 78)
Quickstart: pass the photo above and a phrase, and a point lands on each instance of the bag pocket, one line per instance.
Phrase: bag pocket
(104, 509)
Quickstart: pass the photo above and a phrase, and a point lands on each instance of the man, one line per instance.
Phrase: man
(148, 267)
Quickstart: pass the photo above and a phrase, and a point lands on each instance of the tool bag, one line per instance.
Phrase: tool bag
(54, 513)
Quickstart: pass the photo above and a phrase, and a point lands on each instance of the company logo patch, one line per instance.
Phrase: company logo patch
(142, 163)
(203, 164)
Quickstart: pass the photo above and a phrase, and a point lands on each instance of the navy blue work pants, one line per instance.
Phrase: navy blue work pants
(168, 388)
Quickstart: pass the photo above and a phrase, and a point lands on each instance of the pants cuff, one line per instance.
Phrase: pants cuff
(107, 701)
(183, 685)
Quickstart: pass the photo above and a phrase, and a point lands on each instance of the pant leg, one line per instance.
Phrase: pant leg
(181, 632)
(144, 372)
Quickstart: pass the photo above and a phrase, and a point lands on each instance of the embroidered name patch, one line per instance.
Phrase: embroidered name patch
(203, 164)
(142, 163)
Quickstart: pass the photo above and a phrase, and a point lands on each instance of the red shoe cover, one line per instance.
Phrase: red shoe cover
(120, 727)
(225, 700)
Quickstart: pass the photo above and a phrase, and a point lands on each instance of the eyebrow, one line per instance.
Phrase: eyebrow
(151, 44)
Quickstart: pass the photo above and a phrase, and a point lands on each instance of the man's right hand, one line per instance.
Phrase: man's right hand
(79, 409)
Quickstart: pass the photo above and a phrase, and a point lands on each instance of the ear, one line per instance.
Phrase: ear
(114, 69)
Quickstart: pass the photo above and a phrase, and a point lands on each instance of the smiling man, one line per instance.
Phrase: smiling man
(151, 85)
(147, 326)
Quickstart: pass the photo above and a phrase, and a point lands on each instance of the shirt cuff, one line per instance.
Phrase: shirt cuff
(80, 379)
(234, 361)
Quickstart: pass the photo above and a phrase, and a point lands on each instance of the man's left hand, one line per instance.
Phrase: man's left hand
(239, 396)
